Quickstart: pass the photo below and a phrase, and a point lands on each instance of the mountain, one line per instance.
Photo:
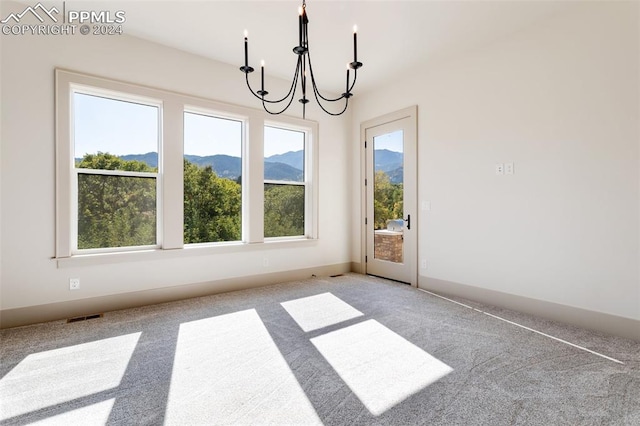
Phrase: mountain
(151, 158)
(224, 165)
(281, 171)
(397, 175)
(230, 167)
(276, 167)
(388, 161)
(292, 158)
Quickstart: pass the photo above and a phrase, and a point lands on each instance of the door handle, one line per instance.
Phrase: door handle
(408, 220)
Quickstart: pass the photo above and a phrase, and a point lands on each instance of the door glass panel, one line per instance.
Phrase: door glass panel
(388, 197)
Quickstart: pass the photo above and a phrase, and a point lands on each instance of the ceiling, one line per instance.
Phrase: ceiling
(394, 37)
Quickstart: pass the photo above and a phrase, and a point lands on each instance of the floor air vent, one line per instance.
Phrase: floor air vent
(84, 318)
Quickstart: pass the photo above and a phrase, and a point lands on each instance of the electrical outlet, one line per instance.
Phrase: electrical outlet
(426, 206)
(265, 262)
(508, 169)
(74, 283)
(423, 264)
(499, 169)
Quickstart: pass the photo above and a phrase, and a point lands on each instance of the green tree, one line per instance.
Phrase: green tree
(120, 211)
(115, 211)
(283, 210)
(387, 200)
(212, 206)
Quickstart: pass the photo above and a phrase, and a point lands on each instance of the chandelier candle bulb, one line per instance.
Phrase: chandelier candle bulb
(246, 49)
(300, 26)
(347, 88)
(355, 43)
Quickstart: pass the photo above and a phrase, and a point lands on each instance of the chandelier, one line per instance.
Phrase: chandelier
(304, 69)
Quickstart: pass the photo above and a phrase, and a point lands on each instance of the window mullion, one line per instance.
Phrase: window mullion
(116, 173)
(253, 208)
(284, 182)
(172, 170)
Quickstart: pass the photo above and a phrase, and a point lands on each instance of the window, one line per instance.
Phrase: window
(116, 171)
(212, 178)
(141, 171)
(284, 182)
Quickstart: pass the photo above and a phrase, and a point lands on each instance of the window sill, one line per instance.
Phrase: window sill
(186, 252)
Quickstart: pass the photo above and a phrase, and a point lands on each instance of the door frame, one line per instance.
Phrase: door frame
(411, 113)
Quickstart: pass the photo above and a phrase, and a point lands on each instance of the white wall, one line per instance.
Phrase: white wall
(561, 101)
(29, 275)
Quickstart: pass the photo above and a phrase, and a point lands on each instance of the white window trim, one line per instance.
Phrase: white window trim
(170, 175)
(125, 97)
(226, 115)
(310, 177)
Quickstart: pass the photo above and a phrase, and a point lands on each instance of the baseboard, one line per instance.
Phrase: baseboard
(357, 268)
(82, 307)
(592, 320)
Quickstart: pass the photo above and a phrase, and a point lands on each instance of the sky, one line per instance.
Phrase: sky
(112, 126)
(391, 141)
(205, 135)
(279, 141)
(122, 128)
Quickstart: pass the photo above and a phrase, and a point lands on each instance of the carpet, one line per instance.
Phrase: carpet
(351, 349)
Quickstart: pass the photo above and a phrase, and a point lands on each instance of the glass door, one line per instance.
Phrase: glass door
(391, 222)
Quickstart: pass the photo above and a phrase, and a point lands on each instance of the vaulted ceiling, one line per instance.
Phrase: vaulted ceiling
(394, 37)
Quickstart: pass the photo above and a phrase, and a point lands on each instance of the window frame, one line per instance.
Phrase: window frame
(170, 197)
(123, 97)
(224, 115)
(306, 181)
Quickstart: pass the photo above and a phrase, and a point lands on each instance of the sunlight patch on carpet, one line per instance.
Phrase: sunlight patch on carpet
(378, 365)
(94, 414)
(319, 311)
(46, 379)
(228, 370)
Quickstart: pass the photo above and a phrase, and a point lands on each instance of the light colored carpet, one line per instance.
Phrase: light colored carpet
(346, 350)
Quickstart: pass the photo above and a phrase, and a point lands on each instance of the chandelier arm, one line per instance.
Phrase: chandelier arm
(249, 86)
(355, 77)
(303, 73)
(291, 89)
(346, 103)
(264, 105)
(315, 88)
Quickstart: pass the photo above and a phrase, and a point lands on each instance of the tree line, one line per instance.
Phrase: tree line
(120, 211)
(387, 200)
